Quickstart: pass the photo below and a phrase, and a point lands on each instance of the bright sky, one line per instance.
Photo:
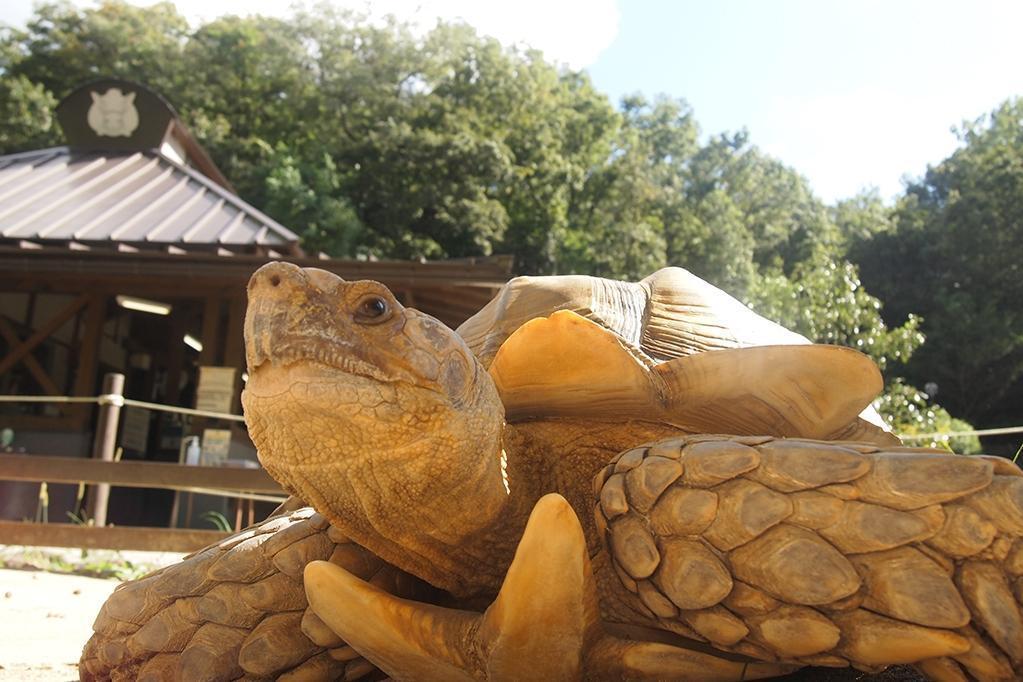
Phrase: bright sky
(852, 94)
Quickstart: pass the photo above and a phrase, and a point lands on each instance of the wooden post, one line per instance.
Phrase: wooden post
(234, 347)
(175, 357)
(210, 354)
(88, 355)
(105, 441)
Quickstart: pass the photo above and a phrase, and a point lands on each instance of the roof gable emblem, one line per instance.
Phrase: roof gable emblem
(113, 114)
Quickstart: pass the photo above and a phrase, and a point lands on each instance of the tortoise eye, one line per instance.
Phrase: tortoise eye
(372, 309)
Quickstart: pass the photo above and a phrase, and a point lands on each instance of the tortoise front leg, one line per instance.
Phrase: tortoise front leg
(544, 624)
(823, 553)
(236, 608)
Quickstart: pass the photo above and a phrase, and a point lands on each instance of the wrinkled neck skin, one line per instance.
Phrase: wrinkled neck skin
(418, 480)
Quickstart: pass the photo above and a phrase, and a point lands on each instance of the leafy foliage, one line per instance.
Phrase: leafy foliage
(307, 196)
(26, 114)
(824, 300)
(910, 413)
(954, 254)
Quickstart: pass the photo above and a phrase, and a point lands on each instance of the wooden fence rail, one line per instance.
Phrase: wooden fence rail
(108, 537)
(213, 480)
(101, 471)
(135, 474)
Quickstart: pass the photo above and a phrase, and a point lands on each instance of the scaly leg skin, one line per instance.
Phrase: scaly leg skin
(823, 553)
(544, 624)
(235, 608)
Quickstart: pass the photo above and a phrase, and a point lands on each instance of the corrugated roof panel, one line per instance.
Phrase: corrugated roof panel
(201, 220)
(14, 175)
(236, 229)
(92, 198)
(25, 190)
(44, 211)
(164, 207)
(245, 231)
(103, 218)
(206, 232)
(268, 238)
(98, 195)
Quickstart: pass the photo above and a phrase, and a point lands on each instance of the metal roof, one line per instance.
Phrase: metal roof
(127, 201)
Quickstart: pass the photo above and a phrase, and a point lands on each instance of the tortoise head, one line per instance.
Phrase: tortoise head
(349, 391)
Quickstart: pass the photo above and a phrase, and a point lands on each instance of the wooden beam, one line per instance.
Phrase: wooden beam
(470, 299)
(111, 537)
(37, 371)
(41, 334)
(234, 347)
(88, 355)
(50, 424)
(62, 268)
(210, 354)
(134, 474)
(450, 307)
(175, 355)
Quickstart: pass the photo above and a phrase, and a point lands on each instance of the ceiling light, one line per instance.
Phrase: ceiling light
(143, 306)
(193, 343)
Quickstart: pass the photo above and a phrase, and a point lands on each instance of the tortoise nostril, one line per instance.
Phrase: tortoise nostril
(275, 280)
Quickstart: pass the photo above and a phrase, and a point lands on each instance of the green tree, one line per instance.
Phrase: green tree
(26, 115)
(861, 217)
(307, 197)
(63, 46)
(955, 256)
(824, 300)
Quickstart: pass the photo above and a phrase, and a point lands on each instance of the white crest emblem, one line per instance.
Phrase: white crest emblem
(113, 114)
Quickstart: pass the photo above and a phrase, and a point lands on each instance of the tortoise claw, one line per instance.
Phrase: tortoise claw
(537, 628)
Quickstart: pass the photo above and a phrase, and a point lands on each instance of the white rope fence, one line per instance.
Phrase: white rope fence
(120, 401)
(951, 434)
(114, 399)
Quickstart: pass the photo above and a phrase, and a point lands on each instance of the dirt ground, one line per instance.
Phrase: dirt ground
(45, 618)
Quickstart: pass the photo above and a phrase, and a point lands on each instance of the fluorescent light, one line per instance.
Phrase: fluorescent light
(143, 306)
(193, 343)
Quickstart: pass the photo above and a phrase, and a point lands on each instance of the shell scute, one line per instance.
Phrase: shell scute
(796, 566)
(646, 482)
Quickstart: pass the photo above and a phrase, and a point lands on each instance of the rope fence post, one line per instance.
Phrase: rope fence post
(105, 441)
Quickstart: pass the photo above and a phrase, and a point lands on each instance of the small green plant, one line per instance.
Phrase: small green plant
(43, 504)
(96, 564)
(79, 519)
(218, 520)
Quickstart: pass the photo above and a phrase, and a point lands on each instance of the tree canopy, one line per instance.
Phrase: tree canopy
(953, 253)
(373, 141)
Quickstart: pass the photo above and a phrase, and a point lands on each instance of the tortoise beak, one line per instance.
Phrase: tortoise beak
(278, 292)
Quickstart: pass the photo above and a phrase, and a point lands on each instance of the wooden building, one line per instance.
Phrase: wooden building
(128, 251)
